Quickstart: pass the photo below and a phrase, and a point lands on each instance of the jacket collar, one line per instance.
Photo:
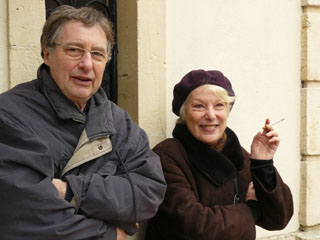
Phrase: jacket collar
(217, 166)
(98, 119)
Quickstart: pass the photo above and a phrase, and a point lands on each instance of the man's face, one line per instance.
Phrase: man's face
(78, 78)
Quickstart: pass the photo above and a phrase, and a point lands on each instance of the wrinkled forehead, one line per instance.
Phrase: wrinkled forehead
(78, 32)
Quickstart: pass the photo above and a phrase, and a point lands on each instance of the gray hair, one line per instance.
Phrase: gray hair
(63, 14)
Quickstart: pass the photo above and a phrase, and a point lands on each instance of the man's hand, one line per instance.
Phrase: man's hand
(121, 235)
(61, 187)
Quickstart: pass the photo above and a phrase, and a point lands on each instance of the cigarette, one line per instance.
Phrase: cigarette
(274, 123)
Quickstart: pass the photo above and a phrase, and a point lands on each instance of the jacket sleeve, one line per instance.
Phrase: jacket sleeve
(182, 212)
(276, 205)
(133, 193)
(30, 207)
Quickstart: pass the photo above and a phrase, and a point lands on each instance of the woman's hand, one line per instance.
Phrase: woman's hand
(251, 192)
(265, 144)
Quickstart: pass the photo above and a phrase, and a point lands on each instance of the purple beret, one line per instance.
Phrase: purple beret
(195, 79)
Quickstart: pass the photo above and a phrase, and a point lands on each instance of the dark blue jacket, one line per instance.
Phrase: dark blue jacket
(115, 178)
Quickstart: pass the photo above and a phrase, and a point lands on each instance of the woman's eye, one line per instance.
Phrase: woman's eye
(198, 106)
(220, 105)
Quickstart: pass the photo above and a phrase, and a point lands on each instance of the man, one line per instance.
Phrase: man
(73, 165)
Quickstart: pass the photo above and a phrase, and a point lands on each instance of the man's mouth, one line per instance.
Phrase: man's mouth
(83, 79)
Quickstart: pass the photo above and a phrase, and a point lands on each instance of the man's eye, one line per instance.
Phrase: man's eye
(74, 51)
(97, 53)
(100, 56)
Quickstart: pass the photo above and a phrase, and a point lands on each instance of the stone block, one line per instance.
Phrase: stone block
(310, 70)
(25, 21)
(4, 82)
(313, 235)
(310, 121)
(289, 236)
(26, 62)
(309, 193)
(310, 2)
(151, 38)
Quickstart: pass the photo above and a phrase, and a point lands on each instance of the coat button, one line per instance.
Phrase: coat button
(100, 147)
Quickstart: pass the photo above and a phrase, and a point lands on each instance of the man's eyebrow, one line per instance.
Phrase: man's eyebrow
(98, 48)
(78, 44)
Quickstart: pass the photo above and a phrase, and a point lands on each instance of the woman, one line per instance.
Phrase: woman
(216, 190)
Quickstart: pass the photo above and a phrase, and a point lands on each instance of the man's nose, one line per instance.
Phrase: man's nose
(86, 62)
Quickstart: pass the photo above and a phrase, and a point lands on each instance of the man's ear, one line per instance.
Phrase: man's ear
(46, 54)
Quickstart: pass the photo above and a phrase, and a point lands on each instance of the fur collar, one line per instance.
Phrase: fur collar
(217, 166)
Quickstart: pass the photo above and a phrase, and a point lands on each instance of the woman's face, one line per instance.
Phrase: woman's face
(206, 115)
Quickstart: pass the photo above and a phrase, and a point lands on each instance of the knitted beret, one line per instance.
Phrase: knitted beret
(195, 79)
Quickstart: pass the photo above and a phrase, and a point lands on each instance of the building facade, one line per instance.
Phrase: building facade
(269, 49)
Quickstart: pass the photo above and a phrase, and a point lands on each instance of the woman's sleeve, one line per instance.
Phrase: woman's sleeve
(265, 172)
(276, 203)
(182, 212)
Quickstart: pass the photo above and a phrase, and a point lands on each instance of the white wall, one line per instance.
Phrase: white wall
(256, 44)
(4, 82)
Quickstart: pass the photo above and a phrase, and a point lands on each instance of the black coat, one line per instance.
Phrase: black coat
(115, 178)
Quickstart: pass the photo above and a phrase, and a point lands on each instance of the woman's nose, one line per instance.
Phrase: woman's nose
(210, 114)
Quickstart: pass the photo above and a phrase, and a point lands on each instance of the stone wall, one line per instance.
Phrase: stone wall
(310, 128)
(25, 21)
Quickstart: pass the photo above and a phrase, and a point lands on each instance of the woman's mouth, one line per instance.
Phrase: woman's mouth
(209, 127)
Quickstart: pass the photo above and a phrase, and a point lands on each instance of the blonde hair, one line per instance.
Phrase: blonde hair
(219, 92)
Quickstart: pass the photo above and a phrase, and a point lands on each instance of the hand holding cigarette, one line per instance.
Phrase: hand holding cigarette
(272, 124)
(265, 144)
